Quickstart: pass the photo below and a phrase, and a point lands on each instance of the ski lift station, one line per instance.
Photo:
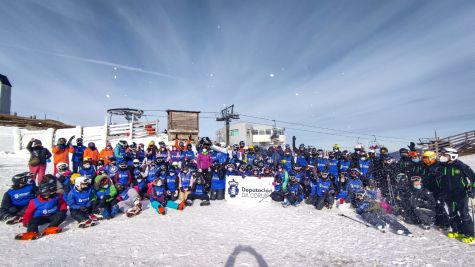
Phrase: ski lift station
(253, 134)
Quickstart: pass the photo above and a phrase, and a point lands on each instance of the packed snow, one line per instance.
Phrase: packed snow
(223, 234)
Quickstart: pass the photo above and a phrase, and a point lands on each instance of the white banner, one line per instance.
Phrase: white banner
(248, 190)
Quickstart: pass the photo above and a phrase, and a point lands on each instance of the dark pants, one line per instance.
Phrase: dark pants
(441, 216)
(194, 196)
(79, 215)
(12, 211)
(325, 199)
(294, 199)
(419, 216)
(76, 166)
(311, 200)
(217, 194)
(459, 216)
(277, 196)
(53, 220)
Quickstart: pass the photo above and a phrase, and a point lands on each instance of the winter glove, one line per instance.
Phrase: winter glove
(175, 194)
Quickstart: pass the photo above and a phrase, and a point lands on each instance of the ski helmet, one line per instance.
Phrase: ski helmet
(47, 190)
(123, 165)
(383, 151)
(36, 143)
(123, 143)
(21, 179)
(79, 141)
(451, 153)
(62, 166)
(355, 172)
(429, 157)
(136, 163)
(81, 183)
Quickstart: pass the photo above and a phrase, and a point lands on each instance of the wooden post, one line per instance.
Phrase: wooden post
(131, 129)
(436, 144)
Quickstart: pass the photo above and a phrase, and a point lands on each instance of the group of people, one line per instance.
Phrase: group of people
(419, 188)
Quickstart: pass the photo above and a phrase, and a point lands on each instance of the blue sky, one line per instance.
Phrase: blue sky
(390, 68)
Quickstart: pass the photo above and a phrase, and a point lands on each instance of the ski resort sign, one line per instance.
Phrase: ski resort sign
(248, 190)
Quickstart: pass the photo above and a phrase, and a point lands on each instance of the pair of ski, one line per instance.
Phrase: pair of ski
(381, 229)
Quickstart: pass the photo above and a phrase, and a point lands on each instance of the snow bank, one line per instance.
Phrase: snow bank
(6, 139)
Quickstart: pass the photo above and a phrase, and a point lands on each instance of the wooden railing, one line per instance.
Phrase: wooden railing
(464, 142)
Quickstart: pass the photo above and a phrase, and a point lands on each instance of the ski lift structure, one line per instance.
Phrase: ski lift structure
(374, 145)
(129, 114)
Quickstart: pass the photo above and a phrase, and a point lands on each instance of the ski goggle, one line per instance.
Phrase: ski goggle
(416, 179)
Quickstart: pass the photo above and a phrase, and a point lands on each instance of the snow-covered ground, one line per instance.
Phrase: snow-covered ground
(227, 235)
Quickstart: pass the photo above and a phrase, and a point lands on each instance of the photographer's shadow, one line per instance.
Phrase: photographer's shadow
(237, 250)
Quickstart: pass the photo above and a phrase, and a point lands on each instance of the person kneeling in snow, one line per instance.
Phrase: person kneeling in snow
(128, 201)
(158, 197)
(16, 199)
(80, 200)
(47, 207)
(105, 192)
(374, 214)
(294, 194)
(218, 182)
(325, 192)
(199, 190)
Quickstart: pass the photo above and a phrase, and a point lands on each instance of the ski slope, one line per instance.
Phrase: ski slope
(227, 235)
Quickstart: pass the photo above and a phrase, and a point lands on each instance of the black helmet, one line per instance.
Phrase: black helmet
(383, 151)
(36, 142)
(123, 143)
(79, 141)
(123, 165)
(47, 190)
(21, 179)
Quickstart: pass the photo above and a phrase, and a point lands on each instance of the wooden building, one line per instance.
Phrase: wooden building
(183, 123)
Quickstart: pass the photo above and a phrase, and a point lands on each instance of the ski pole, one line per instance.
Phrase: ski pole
(263, 198)
(353, 219)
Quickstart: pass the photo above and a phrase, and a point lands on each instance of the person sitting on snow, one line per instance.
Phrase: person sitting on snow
(374, 214)
(80, 201)
(158, 198)
(16, 199)
(105, 192)
(420, 205)
(294, 193)
(199, 190)
(128, 201)
(48, 207)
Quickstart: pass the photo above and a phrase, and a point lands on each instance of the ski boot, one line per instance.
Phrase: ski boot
(27, 236)
(406, 233)
(181, 206)
(455, 235)
(382, 228)
(285, 203)
(468, 240)
(52, 230)
(425, 226)
(161, 210)
(13, 220)
(95, 217)
(133, 211)
(189, 203)
(205, 203)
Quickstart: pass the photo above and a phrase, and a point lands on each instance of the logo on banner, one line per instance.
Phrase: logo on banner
(233, 189)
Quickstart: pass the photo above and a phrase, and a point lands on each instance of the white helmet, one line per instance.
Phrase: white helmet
(359, 147)
(451, 152)
(81, 183)
(62, 166)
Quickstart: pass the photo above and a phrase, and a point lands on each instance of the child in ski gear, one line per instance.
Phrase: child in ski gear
(374, 214)
(48, 207)
(186, 177)
(325, 192)
(354, 183)
(61, 151)
(92, 153)
(281, 180)
(38, 159)
(158, 197)
(105, 192)
(64, 177)
(199, 190)
(16, 199)
(313, 187)
(294, 194)
(107, 153)
(88, 170)
(78, 154)
(128, 201)
(80, 201)
(123, 175)
(218, 182)
(172, 184)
